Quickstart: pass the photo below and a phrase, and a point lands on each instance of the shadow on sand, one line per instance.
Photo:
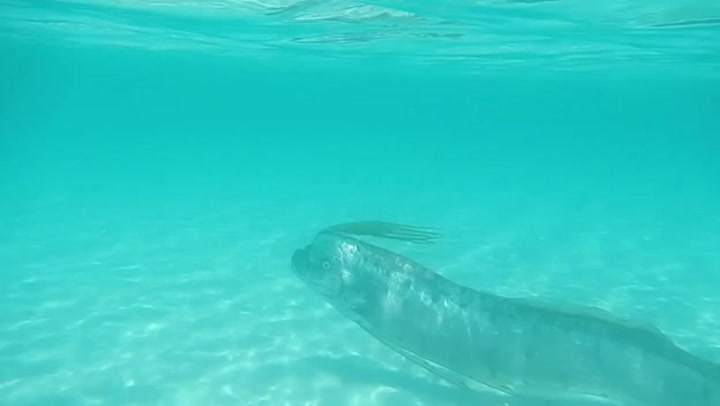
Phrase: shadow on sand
(357, 370)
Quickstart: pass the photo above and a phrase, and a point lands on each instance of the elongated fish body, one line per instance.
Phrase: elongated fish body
(512, 345)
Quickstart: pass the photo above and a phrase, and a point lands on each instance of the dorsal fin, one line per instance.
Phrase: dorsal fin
(382, 229)
(597, 313)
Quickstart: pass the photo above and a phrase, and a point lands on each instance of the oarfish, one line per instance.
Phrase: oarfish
(515, 346)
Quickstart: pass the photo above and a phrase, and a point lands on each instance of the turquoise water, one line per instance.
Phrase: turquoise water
(162, 160)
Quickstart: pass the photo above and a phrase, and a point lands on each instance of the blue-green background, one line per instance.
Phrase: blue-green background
(150, 202)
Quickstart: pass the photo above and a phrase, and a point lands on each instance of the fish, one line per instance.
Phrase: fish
(482, 341)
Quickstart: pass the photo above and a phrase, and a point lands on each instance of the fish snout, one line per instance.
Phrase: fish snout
(298, 262)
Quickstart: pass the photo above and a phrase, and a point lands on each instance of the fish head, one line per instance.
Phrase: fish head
(332, 265)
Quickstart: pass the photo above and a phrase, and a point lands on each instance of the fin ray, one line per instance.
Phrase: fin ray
(382, 229)
(440, 370)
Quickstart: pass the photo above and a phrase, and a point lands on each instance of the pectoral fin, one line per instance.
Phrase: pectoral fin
(444, 372)
(455, 378)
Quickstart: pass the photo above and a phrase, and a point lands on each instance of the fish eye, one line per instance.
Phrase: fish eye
(325, 265)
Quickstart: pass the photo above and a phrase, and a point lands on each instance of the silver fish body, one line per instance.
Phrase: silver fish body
(512, 345)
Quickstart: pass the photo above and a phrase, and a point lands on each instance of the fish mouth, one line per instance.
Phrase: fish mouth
(298, 262)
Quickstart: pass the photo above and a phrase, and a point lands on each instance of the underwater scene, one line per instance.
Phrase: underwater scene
(384, 202)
